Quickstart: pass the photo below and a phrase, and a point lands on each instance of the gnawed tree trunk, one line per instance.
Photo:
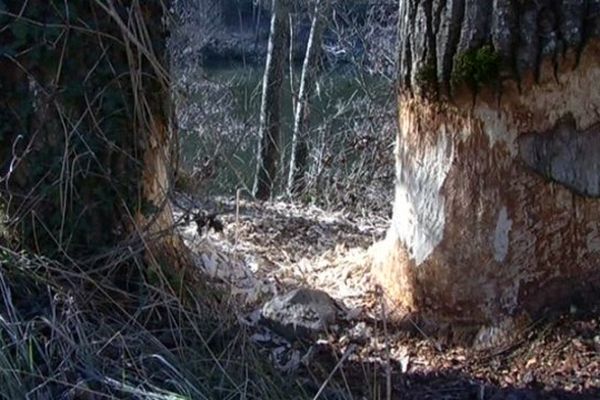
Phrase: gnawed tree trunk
(497, 209)
(269, 149)
(85, 129)
(299, 152)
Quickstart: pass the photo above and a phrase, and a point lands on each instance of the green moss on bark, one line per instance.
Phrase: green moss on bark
(476, 67)
(426, 77)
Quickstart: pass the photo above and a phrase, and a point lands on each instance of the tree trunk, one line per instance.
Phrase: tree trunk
(497, 209)
(299, 153)
(270, 110)
(85, 129)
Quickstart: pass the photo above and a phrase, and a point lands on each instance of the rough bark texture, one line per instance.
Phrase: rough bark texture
(85, 128)
(299, 153)
(496, 212)
(270, 110)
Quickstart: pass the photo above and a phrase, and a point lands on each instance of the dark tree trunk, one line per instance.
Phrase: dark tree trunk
(85, 129)
(497, 204)
(299, 152)
(269, 149)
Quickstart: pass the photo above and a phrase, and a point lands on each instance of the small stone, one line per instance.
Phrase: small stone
(300, 314)
(360, 332)
(597, 343)
(573, 309)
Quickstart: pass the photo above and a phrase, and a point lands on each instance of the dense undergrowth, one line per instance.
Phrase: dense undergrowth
(69, 334)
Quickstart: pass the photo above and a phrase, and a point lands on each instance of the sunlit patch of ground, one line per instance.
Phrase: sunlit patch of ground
(269, 248)
(285, 246)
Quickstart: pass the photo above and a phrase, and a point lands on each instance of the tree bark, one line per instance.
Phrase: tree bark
(299, 152)
(85, 126)
(269, 149)
(497, 203)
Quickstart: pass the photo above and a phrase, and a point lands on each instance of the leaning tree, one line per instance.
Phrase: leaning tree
(497, 203)
(85, 130)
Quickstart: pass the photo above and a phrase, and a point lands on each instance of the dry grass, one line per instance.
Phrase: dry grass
(67, 334)
(113, 327)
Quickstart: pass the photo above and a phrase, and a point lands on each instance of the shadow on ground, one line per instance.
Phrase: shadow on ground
(438, 385)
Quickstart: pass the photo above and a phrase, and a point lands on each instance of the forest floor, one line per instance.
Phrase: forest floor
(269, 248)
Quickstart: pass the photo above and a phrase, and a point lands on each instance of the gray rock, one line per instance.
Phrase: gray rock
(300, 314)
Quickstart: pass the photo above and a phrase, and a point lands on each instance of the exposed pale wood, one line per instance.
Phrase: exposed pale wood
(496, 212)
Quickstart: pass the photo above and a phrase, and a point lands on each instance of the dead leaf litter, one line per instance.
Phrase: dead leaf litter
(268, 249)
